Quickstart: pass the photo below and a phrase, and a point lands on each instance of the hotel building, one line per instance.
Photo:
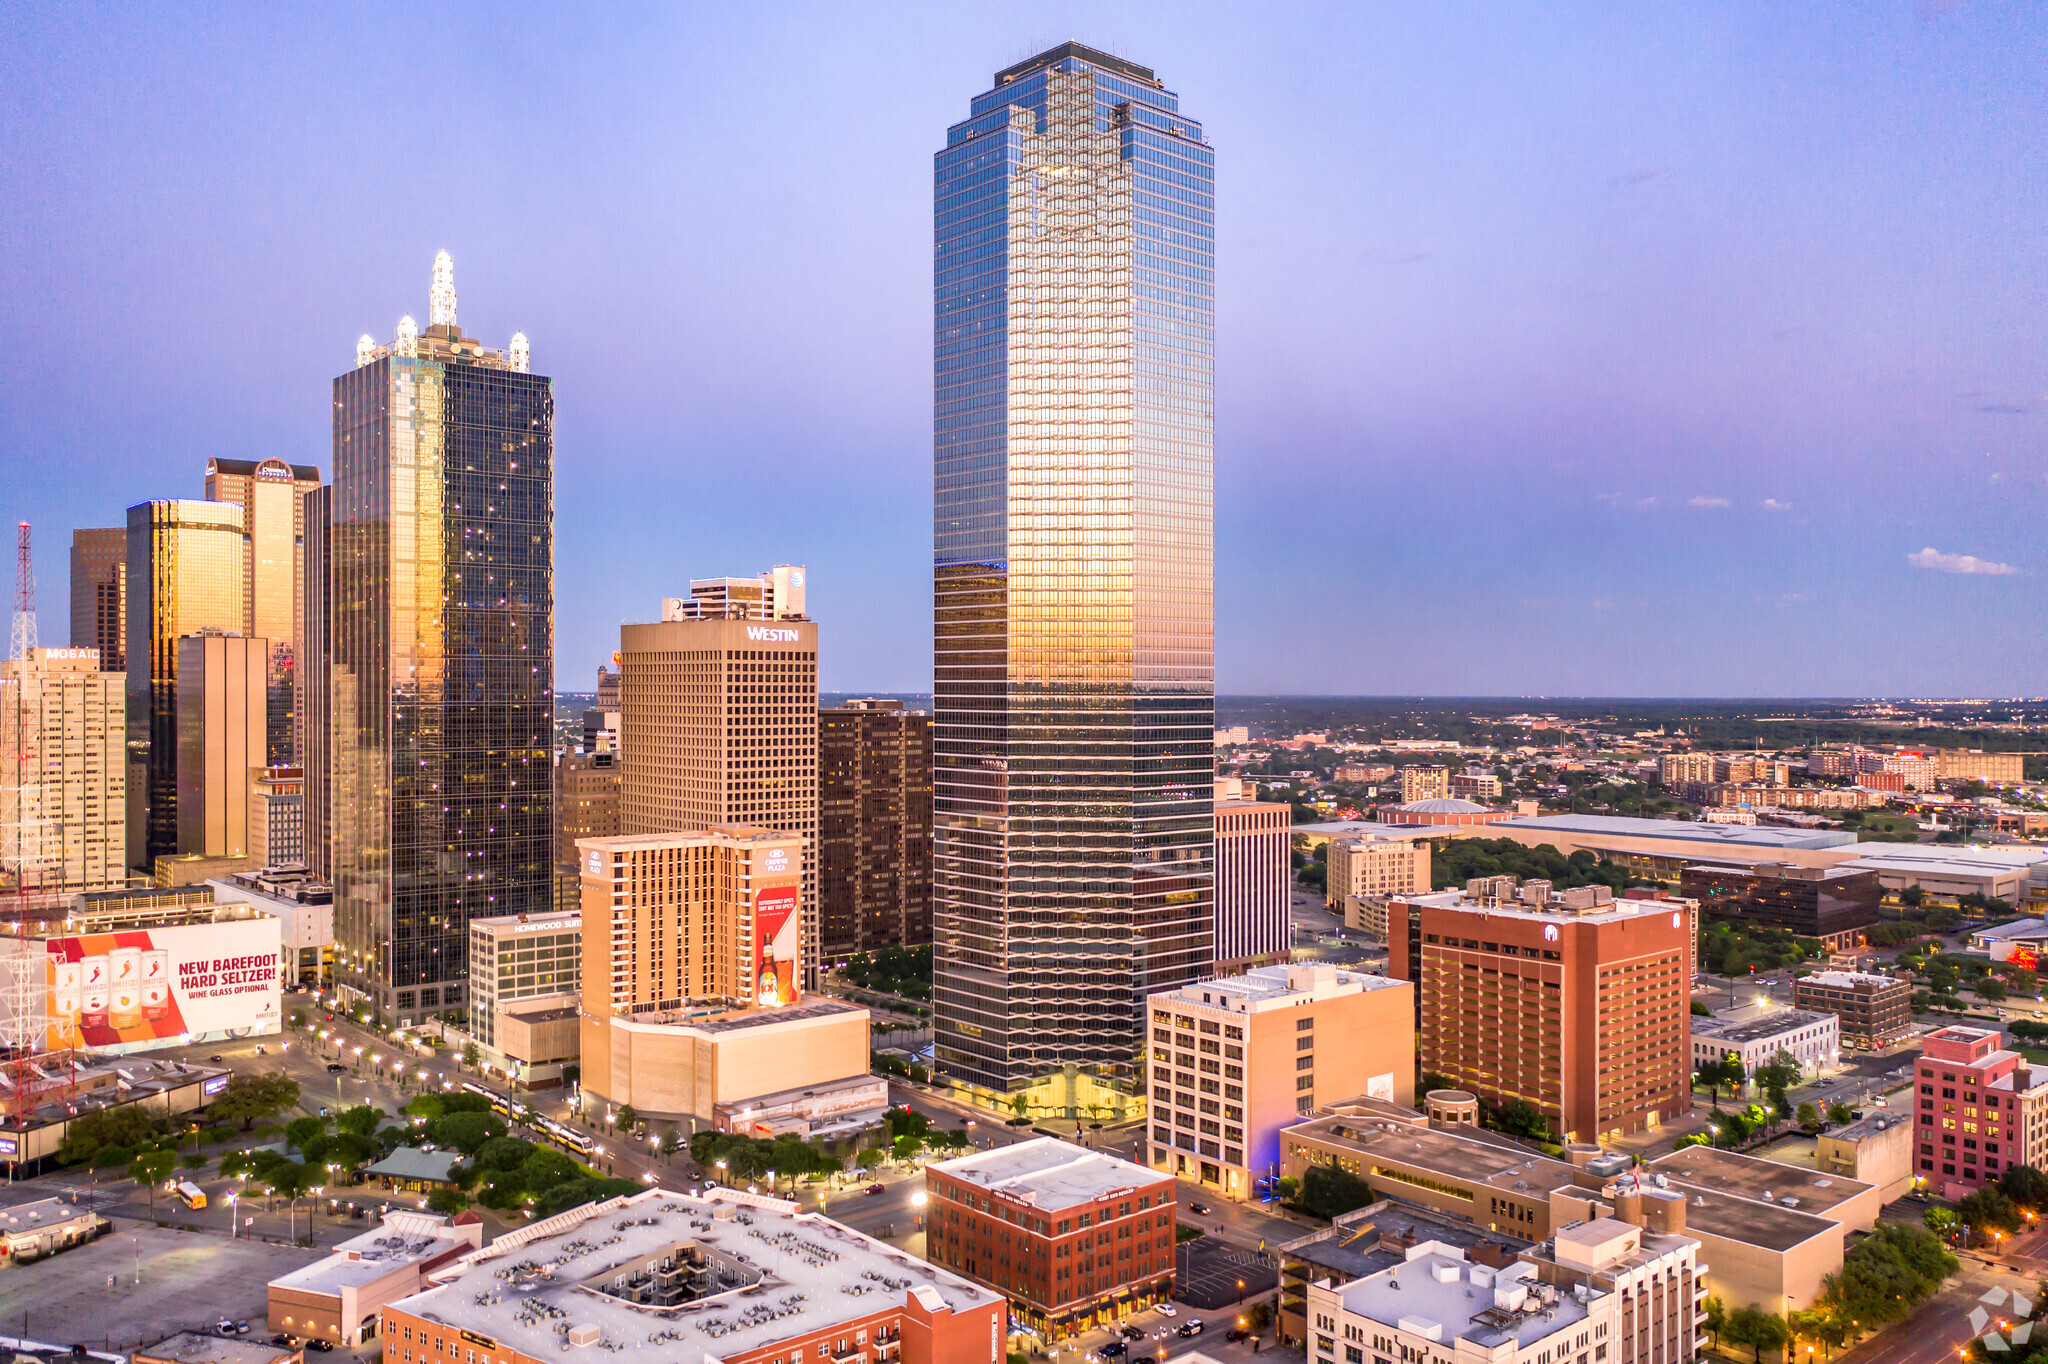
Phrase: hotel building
(1236, 1059)
(516, 957)
(718, 720)
(1979, 1110)
(874, 827)
(1571, 1001)
(1073, 1238)
(63, 773)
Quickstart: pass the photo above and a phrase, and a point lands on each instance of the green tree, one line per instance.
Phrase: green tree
(1991, 988)
(471, 1055)
(671, 1142)
(1779, 1074)
(1717, 1316)
(1887, 1274)
(448, 1200)
(361, 1120)
(870, 1158)
(249, 1099)
(1329, 1191)
(126, 1126)
(1940, 1220)
(1840, 1113)
(1700, 1010)
(151, 1168)
(1989, 1210)
(577, 1192)
(2026, 1186)
(1521, 1118)
(1020, 1103)
(1809, 1117)
(466, 1132)
(1756, 1328)
(299, 1131)
(628, 1118)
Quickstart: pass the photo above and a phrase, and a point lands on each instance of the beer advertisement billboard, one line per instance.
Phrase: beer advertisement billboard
(138, 988)
(777, 932)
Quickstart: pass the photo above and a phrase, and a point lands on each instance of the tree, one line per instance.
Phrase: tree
(1700, 1010)
(1329, 1191)
(2026, 1186)
(1940, 1220)
(628, 1118)
(1887, 1274)
(1021, 1104)
(361, 1120)
(1989, 1210)
(1991, 988)
(126, 1126)
(152, 1168)
(1779, 1074)
(466, 1132)
(870, 1158)
(1809, 1117)
(471, 1055)
(447, 1199)
(1756, 1328)
(299, 1131)
(577, 1192)
(1820, 1325)
(1521, 1118)
(670, 1142)
(1840, 1113)
(251, 1098)
(1717, 1316)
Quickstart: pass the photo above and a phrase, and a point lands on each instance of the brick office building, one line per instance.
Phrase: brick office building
(1074, 1238)
(1572, 1001)
(1875, 1011)
(1978, 1110)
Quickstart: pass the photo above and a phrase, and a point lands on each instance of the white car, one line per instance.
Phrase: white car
(1166, 1310)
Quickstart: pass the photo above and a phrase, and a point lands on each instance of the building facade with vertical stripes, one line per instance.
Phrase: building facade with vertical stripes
(1252, 865)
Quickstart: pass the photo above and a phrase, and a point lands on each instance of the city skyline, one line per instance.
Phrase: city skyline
(1719, 327)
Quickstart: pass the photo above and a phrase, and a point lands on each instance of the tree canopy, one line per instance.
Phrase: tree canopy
(248, 1099)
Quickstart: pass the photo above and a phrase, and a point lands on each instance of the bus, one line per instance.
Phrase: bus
(191, 1195)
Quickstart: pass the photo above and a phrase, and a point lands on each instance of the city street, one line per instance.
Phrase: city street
(1941, 1324)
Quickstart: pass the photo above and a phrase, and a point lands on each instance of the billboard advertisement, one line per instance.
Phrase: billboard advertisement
(140, 988)
(777, 929)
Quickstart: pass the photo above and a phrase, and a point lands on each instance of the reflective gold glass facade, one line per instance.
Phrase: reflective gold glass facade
(441, 633)
(184, 578)
(1074, 680)
(271, 494)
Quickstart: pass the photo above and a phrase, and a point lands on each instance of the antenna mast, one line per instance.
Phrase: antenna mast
(24, 636)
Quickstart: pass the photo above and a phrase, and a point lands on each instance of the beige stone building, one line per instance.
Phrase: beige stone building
(1877, 1150)
(718, 720)
(1375, 866)
(515, 958)
(1235, 1060)
(63, 773)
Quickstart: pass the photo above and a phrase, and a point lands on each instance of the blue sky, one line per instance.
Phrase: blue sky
(1560, 350)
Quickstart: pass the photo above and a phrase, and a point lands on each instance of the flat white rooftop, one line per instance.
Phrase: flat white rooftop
(404, 1239)
(1048, 1173)
(1440, 1296)
(1731, 835)
(788, 1275)
(1612, 912)
(1265, 985)
(1932, 859)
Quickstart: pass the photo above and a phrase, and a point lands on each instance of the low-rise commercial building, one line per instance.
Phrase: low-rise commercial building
(35, 1231)
(683, 1065)
(193, 1347)
(1835, 904)
(1755, 1034)
(1660, 849)
(736, 1277)
(827, 1112)
(1366, 1241)
(1236, 1059)
(1950, 872)
(304, 910)
(516, 957)
(1874, 1011)
(1876, 1150)
(337, 1299)
(1770, 1233)
(1073, 1238)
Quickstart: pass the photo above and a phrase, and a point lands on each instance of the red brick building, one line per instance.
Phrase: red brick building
(1073, 1238)
(1978, 1111)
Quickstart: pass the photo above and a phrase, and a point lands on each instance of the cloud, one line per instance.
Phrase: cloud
(1933, 558)
(1773, 504)
(1705, 503)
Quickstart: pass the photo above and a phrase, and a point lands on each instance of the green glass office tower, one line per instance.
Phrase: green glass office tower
(441, 654)
(1073, 569)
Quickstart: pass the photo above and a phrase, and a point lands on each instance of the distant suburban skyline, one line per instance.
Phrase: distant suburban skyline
(1702, 354)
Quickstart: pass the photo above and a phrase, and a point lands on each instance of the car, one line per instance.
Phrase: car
(874, 1189)
(1131, 1333)
(335, 1068)
(1237, 1333)
(263, 1051)
(226, 1326)
(284, 1341)
(323, 1346)
(1190, 1328)
(214, 1059)
(1199, 1209)
(241, 1328)
(1167, 1309)
(1115, 1349)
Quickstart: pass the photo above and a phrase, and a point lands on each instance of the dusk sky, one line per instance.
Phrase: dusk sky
(1560, 351)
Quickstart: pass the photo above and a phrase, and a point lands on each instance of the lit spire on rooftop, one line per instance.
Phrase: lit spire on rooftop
(441, 298)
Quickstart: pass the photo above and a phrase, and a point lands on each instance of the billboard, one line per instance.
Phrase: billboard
(140, 988)
(777, 929)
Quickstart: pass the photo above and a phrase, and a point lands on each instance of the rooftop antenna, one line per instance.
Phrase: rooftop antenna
(23, 638)
(441, 298)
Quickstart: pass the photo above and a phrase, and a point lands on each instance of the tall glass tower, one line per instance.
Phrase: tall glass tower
(1073, 569)
(440, 654)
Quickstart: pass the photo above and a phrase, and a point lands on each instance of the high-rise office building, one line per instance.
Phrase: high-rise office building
(442, 654)
(271, 494)
(874, 827)
(1253, 867)
(1073, 569)
(99, 594)
(313, 710)
(1572, 1001)
(277, 817)
(222, 685)
(184, 578)
(718, 723)
(63, 774)
(586, 802)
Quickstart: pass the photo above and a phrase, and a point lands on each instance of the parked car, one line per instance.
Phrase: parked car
(284, 1341)
(214, 1059)
(226, 1326)
(241, 1328)
(1190, 1328)
(1116, 1349)
(1237, 1333)
(335, 1067)
(1131, 1333)
(1166, 1309)
(323, 1346)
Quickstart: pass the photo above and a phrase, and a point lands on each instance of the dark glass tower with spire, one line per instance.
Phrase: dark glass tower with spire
(1073, 569)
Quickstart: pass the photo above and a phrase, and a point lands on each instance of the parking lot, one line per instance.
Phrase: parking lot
(188, 1281)
(1209, 1274)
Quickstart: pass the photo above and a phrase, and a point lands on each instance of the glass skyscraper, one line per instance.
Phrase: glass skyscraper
(1073, 569)
(441, 654)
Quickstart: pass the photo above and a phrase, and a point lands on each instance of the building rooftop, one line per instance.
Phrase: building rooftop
(1933, 859)
(1440, 1295)
(1768, 1183)
(1612, 911)
(1784, 871)
(1755, 1027)
(189, 1347)
(44, 1212)
(409, 1162)
(1379, 1237)
(1262, 986)
(1441, 805)
(1846, 980)
(1476, 1158)
(1048, 1173)
(1870, 1126)
(1369, 831)
(759, 1274)
(2018, 928)
(546, 919)
(405, 1239)
(1732, 835)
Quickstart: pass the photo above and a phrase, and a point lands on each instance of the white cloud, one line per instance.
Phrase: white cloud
(1773, 504)
(1708, 503)
(1957, 563)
